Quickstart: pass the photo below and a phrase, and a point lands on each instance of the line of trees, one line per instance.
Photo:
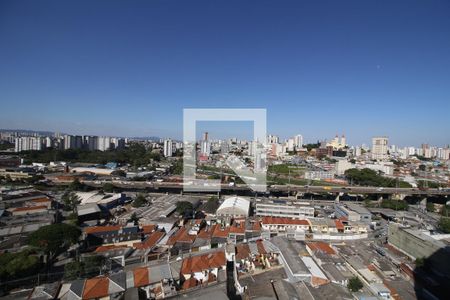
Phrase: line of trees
(368, 177)
(135, 154)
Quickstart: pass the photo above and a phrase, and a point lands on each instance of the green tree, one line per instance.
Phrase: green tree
(20, 264)
(177, 167)
(76, 185)
(184, 206)
(73, 219)
(368, 177)
(70, 201)
(445, 211)
(90, 266)
(420, 262)
(444, 224)
(73, 270)
(354, 284)
(108, 187)
(394, 204)
(134, 218)
(430, 206)
(139, 201)
(53, 239)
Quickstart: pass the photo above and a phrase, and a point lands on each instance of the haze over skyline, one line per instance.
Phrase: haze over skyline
(106, 68)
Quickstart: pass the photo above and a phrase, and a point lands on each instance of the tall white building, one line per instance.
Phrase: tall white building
(205, 148)
(272, 139)
(298, 141)
(168, 148)
(104, 143)
(48, 142)
(290, 145)
(380, 147)
(28, 143)
(69, 141)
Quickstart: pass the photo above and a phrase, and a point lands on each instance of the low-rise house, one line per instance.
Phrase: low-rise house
(292, 228)
(202, 269)
(150, 242)
(317, 276)
(45, 291)
(181, 241)
(23, 211)
(203, 239)
(111, 235)
(153, 280)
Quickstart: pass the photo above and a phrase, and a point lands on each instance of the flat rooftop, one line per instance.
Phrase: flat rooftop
(292, 252)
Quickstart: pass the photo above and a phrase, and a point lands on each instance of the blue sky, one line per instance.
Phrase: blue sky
(128, 68)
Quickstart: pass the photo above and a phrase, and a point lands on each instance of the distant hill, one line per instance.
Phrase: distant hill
(28, 131)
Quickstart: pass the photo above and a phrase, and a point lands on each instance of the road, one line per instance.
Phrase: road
(277, 188)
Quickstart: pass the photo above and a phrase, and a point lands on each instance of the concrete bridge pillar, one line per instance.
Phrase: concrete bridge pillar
(423, 204)
(337, 198)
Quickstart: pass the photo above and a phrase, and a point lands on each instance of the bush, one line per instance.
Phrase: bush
(91, 266)
(139, 201)
(354, 284)
(184, 207)
(444, 224)
(394, 204)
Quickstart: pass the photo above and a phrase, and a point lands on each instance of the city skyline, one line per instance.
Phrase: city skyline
(212, 136)
(128, 76)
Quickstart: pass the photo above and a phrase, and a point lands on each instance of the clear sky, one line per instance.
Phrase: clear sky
(128, 68)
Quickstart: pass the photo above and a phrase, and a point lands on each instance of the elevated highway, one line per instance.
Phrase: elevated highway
(175, 186)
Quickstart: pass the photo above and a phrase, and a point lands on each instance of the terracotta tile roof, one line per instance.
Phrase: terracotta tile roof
(186, 237)
(182, 235)
(237, 228)
(212, 278)
(219, 231)
(206, 232)
(147, 229)
(242, 251)
(95, 229)
(256, 226)
(200, 263)
(96, 288)
(41, 200)
(150, 241)
(141, 277)
(260, 246)
(190, 283)
(30, 208)
(109, 247)
(322, 247)
(339, 224)
(284, 221)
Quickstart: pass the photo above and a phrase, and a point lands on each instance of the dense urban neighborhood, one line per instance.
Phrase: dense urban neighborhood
(115, 222)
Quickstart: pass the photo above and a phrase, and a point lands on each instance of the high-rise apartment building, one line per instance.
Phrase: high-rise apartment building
(168, 148)
(272, 139)
(380, 148)
(104, 143)
(28, 143)
(298, 141)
